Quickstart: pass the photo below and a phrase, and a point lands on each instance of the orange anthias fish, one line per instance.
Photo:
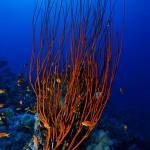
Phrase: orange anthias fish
(88, 123)
(2, 134)
(2, 105)
(27, 127)
(36, 141)
(20, 79)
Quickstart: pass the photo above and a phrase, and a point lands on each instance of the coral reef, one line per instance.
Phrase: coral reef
(16, 117)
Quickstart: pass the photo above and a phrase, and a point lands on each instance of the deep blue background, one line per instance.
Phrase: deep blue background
(134, 70)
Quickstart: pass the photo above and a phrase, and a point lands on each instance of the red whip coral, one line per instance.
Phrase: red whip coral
(73, 65)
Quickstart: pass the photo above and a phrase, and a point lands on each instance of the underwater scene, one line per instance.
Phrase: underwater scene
(74, 75)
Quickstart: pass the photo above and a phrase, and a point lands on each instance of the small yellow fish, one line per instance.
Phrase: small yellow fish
(88, 123)
(125, 126)
(31, 110)
(2, 134)
(2, 91)
(18, 109)
(121, 90)
(49, 90)
(20, 102)
(20, 80)
(27, 108)
(28, 89)
(58, 80)
(2, 105)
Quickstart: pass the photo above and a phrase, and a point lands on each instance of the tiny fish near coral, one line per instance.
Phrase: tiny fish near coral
(121, 91)
(88, 123)
(2, 105)
(2, 134)
(36, 142)
(2, 91)
(58, 80)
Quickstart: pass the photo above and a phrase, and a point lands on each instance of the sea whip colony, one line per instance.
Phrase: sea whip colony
(74, 60)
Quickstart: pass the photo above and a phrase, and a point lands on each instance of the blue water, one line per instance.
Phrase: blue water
(134, 71)
(15, 31)
(133, 75)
